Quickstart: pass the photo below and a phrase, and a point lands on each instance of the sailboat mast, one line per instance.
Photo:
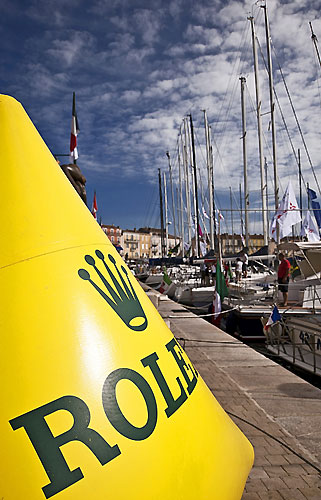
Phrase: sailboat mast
(190, 159)
(259, 130)
(187, 190)
(213, 191)
(241, 209)
(232, 221)
(246, 189)
(300, 183)
(172, 191)
(161, 211)
(315, 42)
(272, 107)
(166, 215)
(180, 187)
(266, 183)
(210, 177)
(197, 224)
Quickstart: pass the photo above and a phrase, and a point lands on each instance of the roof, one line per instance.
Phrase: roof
(300, 245)
(311, 265)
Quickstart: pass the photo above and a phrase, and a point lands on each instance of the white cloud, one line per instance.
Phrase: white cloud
(72, 49)
(131, 95)
(209, 37)
(148, 25)
(122, 43)
(139, 67)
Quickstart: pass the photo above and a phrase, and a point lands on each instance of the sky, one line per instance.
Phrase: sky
(138, 68)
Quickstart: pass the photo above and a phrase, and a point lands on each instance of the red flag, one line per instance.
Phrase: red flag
(74, 130)
(94, 208)
(200, 231)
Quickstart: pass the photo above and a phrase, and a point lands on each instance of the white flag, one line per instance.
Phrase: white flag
(220, 214)
(217, 304)
(309, 228)
(287, 214)
(202, 248)
(204, 213)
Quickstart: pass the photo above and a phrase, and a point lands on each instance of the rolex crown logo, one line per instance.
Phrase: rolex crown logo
(122, 296)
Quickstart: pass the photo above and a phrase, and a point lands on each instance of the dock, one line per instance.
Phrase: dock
(278, 411)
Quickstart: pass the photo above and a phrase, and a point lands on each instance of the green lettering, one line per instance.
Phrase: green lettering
(172, 404)
(113, 411)
(48, 446)
(175, 349)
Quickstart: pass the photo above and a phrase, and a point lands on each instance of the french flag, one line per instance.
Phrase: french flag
(274, 317)
(95, 207)
(74, 131)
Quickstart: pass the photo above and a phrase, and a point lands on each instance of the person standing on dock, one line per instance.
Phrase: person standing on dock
(238, 269)
(244, 258)
(283, 277)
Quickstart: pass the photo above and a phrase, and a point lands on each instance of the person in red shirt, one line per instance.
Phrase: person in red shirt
(283, 277)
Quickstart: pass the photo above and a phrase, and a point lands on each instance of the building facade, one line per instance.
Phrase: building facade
(131, 245)
(115, 235)
(232, 244)
(155, 242)
(144, 244)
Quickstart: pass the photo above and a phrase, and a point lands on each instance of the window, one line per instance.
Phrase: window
(112, 239)
(111, 231)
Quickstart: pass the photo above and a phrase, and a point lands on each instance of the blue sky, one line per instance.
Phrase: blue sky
(138, 68)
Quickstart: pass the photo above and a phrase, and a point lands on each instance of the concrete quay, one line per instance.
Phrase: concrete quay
(268, 403)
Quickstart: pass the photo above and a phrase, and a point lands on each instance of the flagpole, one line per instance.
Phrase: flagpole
(94, 206)
(74, 131)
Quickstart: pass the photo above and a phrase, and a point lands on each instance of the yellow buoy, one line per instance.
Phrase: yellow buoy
(99, 400)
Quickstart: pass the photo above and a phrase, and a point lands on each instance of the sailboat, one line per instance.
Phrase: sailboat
(297, 337)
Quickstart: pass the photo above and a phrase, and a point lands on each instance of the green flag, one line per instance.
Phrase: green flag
(165, 282)
(221, 286)
(230, 274)
(294, 270)
(174, 249)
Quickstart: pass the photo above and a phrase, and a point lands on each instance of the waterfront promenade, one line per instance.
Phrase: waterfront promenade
(268, 403)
